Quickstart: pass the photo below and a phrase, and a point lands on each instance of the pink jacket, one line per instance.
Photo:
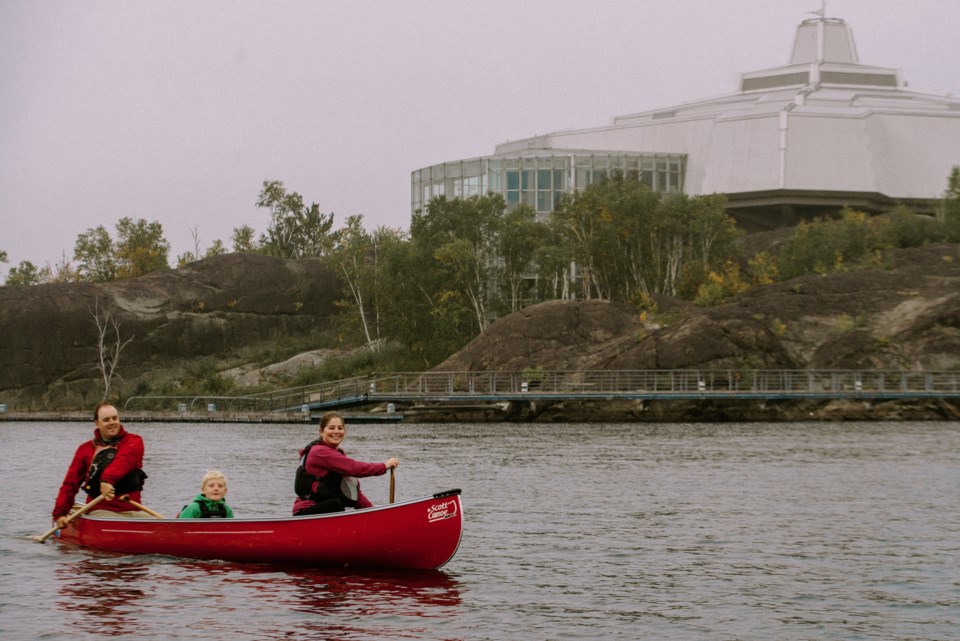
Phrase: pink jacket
(324, 458)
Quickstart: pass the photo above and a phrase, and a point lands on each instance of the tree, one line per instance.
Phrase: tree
(243, 239)
(520, 238)
(94, 254)
(63, 271)
(822, 245)
(951, 207)
(140, 248)
(185, 259)
(607, 230)
(356, 257)
(554, 267)
(27, 274)
(109, 344)
(216, 248)
(903, 228)
(460, 236)
(295, 230)
(412, 293)
(629, 242)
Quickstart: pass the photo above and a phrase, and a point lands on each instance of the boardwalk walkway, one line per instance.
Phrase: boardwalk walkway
(410, 388)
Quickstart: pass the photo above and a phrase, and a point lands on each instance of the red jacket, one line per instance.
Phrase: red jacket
(129, 457)
(323, 459)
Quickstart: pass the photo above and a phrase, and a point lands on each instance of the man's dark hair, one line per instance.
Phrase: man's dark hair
(96, 409)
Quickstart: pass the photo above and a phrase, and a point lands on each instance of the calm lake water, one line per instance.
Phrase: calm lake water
(616, 531)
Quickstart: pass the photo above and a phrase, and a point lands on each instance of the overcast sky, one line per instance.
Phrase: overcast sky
(177, 111)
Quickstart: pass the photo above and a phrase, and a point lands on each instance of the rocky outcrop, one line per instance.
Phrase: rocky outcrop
(207, 308)
(903, 316)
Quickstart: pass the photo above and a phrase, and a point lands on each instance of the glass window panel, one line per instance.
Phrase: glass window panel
(526, 181)
(544, 179)
(513, 179)
(558, 179)
(513, 198)
(543, 201)
(583, 178)
(530, 198)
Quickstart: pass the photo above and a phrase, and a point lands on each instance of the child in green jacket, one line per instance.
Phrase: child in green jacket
(210, 502)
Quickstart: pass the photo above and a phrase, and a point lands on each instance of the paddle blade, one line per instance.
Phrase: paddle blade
(86, 508)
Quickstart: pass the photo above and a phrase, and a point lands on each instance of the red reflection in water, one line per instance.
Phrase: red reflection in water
(117, 596)
(105, 592)
(325, 594)
(402, 601)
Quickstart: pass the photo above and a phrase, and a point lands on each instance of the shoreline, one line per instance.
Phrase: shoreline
(607, 411)
(195, 417)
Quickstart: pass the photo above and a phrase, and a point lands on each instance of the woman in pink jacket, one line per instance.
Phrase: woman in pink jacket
(327, 478)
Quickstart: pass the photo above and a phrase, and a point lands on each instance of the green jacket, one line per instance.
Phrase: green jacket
(192, 510)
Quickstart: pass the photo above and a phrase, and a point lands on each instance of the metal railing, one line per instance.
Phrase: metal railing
(576, 384)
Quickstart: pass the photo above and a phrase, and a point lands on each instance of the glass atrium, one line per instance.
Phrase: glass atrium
(539, 180)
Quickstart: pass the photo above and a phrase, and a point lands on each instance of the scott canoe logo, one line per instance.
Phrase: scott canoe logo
(441, 511)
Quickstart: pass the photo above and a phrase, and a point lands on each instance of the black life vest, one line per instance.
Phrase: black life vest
(132, 482)
(316, 488)
(209, 510)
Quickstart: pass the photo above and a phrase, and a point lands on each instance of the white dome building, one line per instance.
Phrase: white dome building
(807, 138)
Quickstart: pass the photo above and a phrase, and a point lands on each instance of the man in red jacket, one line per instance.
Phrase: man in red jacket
(110, 464)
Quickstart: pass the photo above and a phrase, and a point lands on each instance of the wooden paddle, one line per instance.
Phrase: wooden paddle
(391, 485)
(86, 508)
(155, 515)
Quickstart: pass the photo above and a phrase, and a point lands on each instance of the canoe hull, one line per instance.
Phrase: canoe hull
(418, 534)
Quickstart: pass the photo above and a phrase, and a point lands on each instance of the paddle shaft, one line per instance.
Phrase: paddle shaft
(391, 485)
(139, 506)
(86, 508)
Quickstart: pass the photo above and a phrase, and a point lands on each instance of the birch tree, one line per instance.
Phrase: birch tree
(520, 238)
(356, 256)
(109, 344)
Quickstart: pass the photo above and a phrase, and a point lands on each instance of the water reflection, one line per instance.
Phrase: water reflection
(105, 592)
(386, 606)
(332, 585)
(338, 603)
(399, 593)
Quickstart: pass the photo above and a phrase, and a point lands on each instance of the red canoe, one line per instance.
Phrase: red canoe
(419, 534)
